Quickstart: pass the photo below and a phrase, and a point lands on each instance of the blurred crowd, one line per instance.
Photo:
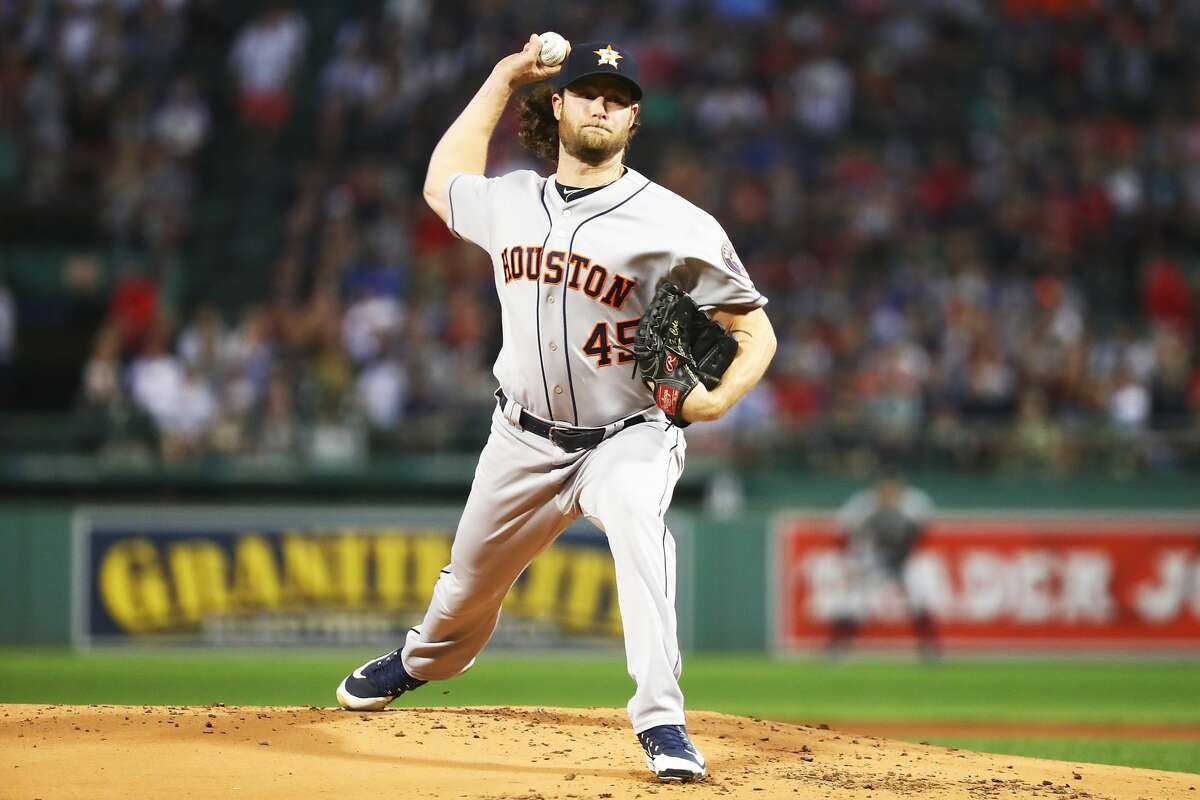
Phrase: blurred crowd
(93, 111)
(977, 222)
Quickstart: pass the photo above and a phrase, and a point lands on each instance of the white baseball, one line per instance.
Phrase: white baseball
(554, 49)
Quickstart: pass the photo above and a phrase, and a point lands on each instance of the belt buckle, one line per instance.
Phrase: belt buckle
(560, 436)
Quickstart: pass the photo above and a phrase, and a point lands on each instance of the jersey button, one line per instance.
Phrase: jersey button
(550, 299)
(566, 213)
(558, 390)
(553, 346)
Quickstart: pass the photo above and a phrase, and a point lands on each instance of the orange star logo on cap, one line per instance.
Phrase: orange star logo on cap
(608, 56)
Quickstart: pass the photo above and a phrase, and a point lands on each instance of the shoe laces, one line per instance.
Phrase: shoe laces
(389, 677)
(666, 738)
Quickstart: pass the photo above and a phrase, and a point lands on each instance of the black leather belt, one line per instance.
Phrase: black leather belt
(568, 438)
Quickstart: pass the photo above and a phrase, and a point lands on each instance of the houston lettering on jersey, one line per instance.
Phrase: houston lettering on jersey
(579, 271)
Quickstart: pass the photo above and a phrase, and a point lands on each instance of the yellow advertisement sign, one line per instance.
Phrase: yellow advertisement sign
(208, 576)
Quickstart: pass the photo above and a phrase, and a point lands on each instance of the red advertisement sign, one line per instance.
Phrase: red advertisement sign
(1038, 582)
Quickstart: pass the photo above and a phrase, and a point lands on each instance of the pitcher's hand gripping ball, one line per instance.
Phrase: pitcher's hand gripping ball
(677, 346)
(554, 49)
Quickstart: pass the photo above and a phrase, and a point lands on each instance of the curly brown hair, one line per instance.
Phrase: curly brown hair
(538, 129)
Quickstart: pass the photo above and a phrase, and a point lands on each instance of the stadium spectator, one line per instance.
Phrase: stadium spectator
(276, 438)
(202, 344)
(134, 307)
(1167, 297)
(264, 59)
(383, 387)
(102, 379)
(181, 124)
(186, 425)
(155, 375)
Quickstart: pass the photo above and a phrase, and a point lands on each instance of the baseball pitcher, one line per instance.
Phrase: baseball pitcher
(609, 285)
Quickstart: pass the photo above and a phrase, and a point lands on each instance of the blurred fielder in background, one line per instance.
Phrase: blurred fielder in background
(882, 526)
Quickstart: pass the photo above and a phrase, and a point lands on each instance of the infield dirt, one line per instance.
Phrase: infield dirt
(93, 752)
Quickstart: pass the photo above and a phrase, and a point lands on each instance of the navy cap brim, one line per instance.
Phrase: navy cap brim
(633, 85)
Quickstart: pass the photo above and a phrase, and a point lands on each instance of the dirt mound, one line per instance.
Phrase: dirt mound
(154, 751)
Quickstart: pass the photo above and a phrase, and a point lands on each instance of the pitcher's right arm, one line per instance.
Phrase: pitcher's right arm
(463, 147)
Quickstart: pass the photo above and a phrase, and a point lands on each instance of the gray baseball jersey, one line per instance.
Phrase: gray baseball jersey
(885, 534)
(574, 277)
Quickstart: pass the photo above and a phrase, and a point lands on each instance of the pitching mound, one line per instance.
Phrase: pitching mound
(152, 751)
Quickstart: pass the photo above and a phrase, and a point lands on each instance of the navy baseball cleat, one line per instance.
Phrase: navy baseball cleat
(375, 684)
(671, 755)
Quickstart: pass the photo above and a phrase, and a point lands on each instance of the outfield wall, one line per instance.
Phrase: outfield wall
(296, 573)
(35, 574)
(996, 581)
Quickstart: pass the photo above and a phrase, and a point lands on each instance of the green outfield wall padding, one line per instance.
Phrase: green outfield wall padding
(729, 608)
(12, 564)
(970, 491)
(727, 554)
(35, 568)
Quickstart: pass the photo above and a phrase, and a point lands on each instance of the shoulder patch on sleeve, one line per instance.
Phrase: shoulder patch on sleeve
(729, 255)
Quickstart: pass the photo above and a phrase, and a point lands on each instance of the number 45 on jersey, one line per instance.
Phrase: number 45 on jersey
(599, 342)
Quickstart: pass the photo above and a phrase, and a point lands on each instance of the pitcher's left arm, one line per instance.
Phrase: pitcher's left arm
(756, 348)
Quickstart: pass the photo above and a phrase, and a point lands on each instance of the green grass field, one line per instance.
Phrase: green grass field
(812, 692)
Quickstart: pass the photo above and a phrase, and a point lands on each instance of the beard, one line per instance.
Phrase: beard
(590, 145)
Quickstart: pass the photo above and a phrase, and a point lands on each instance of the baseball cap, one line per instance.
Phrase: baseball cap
(598, 58)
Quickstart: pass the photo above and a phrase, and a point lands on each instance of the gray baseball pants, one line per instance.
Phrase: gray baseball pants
(525, 493)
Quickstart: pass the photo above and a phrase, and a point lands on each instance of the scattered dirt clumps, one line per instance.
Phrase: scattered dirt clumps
(502, 753)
